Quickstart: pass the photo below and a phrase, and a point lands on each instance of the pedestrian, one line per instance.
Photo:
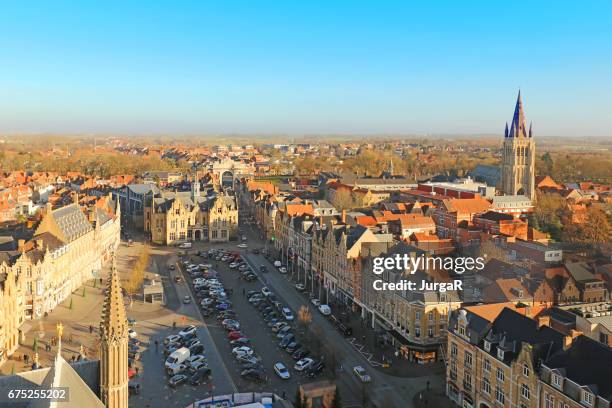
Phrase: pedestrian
(156, 345)
(137, 369)
(173, 325)
(90, 329)
(243, 292)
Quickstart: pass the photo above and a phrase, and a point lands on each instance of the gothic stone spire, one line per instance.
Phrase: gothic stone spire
(518, 128)
(114, 320)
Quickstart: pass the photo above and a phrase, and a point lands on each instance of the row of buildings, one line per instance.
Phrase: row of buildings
(59, 251)
(503, 356)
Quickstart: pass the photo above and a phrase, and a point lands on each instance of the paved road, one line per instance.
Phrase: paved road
(385, 390)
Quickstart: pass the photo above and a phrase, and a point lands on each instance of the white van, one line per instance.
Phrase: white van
(177, 357)
(185, 245)
(278, 264)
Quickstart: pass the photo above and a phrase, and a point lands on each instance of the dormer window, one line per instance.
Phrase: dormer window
(525, 370)
(557, 381)
(500, 354)
(487, 345)
(587, 398)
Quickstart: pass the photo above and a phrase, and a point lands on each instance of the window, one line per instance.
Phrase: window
(417, 332)
(500, 375)
(453, 370)
(587, 398)
(462, 330)
(549, 401)
(418, 315)
(557, 381)
(172, 236)
(467, 381)
(525, 391)
(486, 365)
(453, 349)
(525, 370)
(430, 332)
(39, 287)
(468, 359)
(430, 316)
(486, 386)
(487, 346)
(499, 395)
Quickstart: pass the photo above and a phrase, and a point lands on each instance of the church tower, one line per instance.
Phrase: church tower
(518, 156)
(195, 188)
(114, 346)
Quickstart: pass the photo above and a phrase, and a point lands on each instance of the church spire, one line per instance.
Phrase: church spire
(518, 128)
(114, 346)
(114, 321)
(530, 125)
(506, 131)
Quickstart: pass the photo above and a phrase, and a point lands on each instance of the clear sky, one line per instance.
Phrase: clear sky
(305, 66)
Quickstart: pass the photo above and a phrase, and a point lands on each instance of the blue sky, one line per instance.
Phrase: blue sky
(359, 67)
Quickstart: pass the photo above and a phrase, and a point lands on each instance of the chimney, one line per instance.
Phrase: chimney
(344, 216)
(21, 244)
(543, 321)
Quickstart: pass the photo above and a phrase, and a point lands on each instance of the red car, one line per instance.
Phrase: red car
(234, 335)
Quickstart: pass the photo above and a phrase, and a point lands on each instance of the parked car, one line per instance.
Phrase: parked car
(315, 302)
(197, 349)
(281, 371)
(132, 333)
(177, 356)
(300, 286)
(177, 380)
(196, 358)
(242, 351)
(247, 359)
(303, 364)
(254, 375)
(300, 354)
(197, 366)
(286, 340)
(316, 369)
(287, 314)
(283, 332)
(325, 310)
(243, 341)
(187, 299)
(294, 345)
(235, 335)
(188, 330)
(175, 369)
(200, 376)
(266, 291)
(173, 338)
(362, 374)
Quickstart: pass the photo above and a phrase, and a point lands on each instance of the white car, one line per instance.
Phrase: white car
(243, 246)
(173, 338)
(242, 351)
(185, 245)
(315, 302)
(191, 329)
(265, 291)
(325, 310)
(281, 371)
(300, 286)
(362, 374)
(303, 364)
(282, 269)
(278, 264)
(287, 314)
(187, 299)
(132, 333)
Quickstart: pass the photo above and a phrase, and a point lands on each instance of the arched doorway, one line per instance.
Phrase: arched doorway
(198, 235)
(483, 405)
(227, 179)
(521, 191)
